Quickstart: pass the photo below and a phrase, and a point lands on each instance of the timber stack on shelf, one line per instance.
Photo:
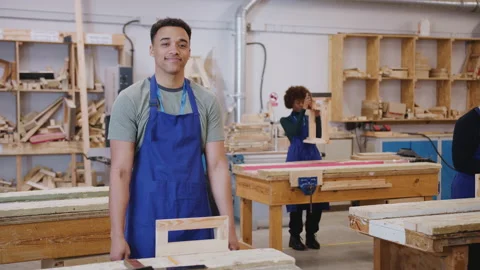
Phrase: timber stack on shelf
(38, 132)
(414, 68)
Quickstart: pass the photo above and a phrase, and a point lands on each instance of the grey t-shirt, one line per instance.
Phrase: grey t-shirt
(130, 112)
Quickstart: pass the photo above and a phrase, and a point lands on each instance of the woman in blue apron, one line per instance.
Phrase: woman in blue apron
(466, 160)
(298, 99)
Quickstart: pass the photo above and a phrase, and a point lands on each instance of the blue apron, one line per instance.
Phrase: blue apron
(300, 151)
(168, 179)
(463, 185)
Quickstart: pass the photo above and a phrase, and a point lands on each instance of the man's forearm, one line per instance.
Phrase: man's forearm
(222, 190)
(119, 196)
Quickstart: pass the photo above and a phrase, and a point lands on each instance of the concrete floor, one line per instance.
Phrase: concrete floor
(341, 247)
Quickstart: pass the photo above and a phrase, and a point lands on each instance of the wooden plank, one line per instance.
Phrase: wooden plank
(317, 174)
(82, 86)
(390, 167)
(163, 227)
(54, 194)
(443, 224)
(244, 259)
(355, 184)
(54, 239)
(416, 209)
(47, 148)
(16, 209)
(40, 123)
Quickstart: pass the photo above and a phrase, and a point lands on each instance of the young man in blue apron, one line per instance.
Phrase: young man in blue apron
(466, 160)
(159, 128)
(298, 99)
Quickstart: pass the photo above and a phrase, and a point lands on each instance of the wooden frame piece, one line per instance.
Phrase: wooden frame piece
(82, 86)
(163, 248)
(312, 126)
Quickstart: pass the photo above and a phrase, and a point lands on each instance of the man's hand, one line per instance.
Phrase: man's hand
(233, 240)
(119, 249)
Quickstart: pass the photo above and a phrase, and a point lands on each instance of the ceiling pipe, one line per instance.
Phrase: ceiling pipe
(240, 57)
(462, 5)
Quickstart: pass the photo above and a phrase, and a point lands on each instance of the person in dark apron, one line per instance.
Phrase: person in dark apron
(466, 154)
(298, 99)
(466, 160)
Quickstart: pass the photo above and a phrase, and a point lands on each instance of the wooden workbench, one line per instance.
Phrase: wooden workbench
(50, 224)
(420, 235)
(342, 181)
(258, 259)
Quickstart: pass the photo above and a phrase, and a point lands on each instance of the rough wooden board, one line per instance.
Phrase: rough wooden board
(241, 259)
(294, 176)
(355, 184)
(444, 224)
(416, 208)
(348, 168)
(55, 239)
(54, 194)
(16, 209)
(54, 217)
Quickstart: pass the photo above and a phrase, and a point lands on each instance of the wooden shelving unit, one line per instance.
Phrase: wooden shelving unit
(410, 61)
(69, 146)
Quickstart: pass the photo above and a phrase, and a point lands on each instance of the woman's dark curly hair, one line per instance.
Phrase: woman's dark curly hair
(294, 93)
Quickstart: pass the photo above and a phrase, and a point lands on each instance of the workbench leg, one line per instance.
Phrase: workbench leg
(380, 254)
(275, 227)
(458, 258)
(428, 198)
(246, 221)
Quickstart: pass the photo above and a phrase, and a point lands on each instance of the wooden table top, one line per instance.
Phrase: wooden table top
(334, 169)
(429, 225)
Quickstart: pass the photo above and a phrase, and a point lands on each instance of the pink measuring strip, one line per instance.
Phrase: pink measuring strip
(316, 164)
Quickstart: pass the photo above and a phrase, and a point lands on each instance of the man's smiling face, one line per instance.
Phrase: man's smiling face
(171, 49)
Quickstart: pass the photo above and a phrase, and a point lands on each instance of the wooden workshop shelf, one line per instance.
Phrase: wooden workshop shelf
(66, 92)
(409, 48)
(47, 148)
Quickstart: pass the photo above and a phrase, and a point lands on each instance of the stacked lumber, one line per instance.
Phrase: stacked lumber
(422, 68)
(7, 131)
(43, 178)
(439, 112)
(7, 186)
(248, 137)
(439, 73)
(96, 120)
(39, 127)
(53, 81)
(355, 73)
(8, 79)
(393, 72)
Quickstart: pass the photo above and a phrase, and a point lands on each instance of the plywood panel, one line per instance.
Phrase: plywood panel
(244, 259)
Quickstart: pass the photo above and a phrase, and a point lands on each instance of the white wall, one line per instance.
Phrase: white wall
(295, 33)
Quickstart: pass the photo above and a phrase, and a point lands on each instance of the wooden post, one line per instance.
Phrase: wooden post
(312, 126)
(82, 86)
(477, 185)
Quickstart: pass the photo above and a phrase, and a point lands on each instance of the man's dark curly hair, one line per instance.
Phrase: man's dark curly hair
(169, 22)
(294, 93)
